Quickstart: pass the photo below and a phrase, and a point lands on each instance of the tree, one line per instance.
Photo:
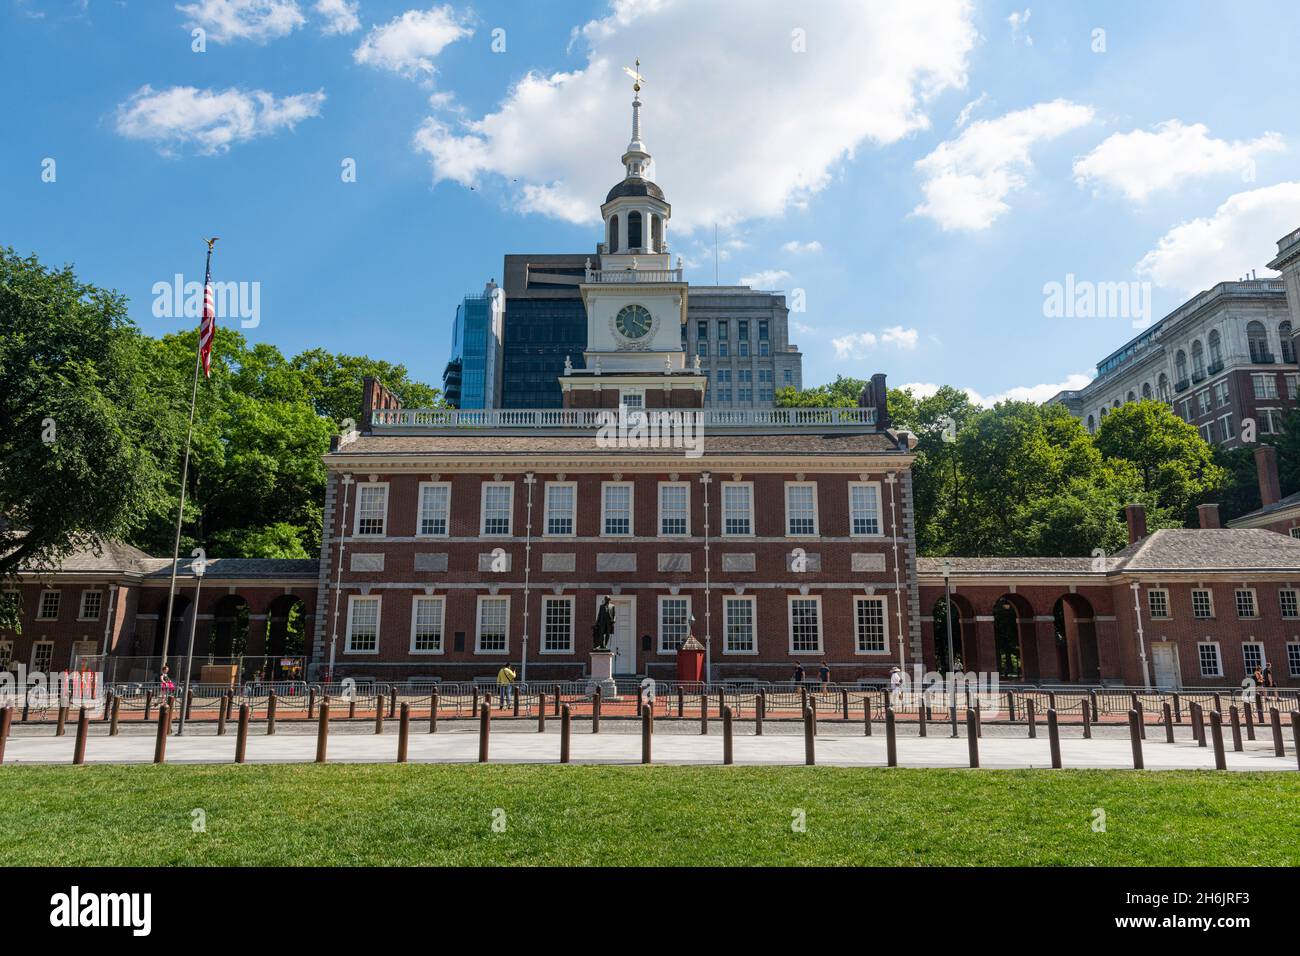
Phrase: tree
(81, 430)
(333, 383)
(841, 393)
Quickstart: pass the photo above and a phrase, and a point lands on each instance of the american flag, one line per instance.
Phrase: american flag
(208, 327)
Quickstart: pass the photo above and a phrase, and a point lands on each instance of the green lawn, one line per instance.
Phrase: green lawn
(443, 814)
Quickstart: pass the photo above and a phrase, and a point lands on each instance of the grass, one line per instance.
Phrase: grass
(443, 814)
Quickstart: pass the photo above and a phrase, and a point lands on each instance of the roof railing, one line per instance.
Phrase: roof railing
(385, 418)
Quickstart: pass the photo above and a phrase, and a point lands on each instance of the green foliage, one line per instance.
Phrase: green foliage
(841, 393)
(334, 383)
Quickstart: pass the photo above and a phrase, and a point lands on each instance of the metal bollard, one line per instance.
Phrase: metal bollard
(1092, 700)
(270, 714)
(973, 737)
(352, 707)
(392, 703)
(565, 721)
(1087, 719)
(866, 715)
(6, 718)
(514, 693)
(844, 702)
(1135, 738)
(433, 712)
(1295, 735)
(640, 700)
(979, 718)
(403, 731)
(1031, 714)
(645, 734)
(704, 714)
(189, 703)
(726, 735)
(241, 734)
(108, 704)
(61, 722)
(379, 713)
(1250, 720)
(1216, 734)
(1169, 723)
(760, 711)
(809, 738)
(1142, 716)
(681, 703)
(112, 723)
(1011, 706)
(920, 718)
(484, 729)
(891, 740)
(557, 701)
(1198, 724)
(1054, 738)
(148, 704)
(311, 702)
(323, 731)
(83, 728)
(160, 743)
(595, 711)
(541, 712)
(1178, 708)
(230, 704)
(1235, 716)
(1275, 716)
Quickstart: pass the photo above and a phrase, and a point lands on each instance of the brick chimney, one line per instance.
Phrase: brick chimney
(875, 395)
(1270, 491)
(1137, 521)
(1209, 515)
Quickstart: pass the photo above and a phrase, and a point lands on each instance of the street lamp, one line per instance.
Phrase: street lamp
(199, 566)
(952, 675)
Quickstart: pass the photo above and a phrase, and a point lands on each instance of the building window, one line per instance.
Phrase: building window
(674, 508)
(1270, 421)
(1227, 431)
(864, 508)
(1246, 602)
(1221, 394)
(1203, 400)
(1264, 386)
(1202, 605)
(435, 509)
(426, 625)
(560, 502)
(363, 625)
(805, 625)
(869, 614)
(1158, 603)
(1252, 656)
(1293, 659)
(42, 656)
(91, 604)
(616, 508)
(1208, 654)
(632, 398)
(738, 618)
(787, 376)
(762, 330)
(737, 509)
(372, 509)
(49, 608)
(800, 508)
(557, 625)
(674, 623)
(498, 508)
(493, 634)
(1289, 599)
(1295, 532)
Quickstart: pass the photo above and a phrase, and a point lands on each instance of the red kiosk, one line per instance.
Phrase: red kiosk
(690, 661)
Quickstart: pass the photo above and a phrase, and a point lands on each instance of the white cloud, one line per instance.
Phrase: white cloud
(408, 44)
(1020, 27)
(1141, 162)
(722, 143)
(856, 345)
(798, 248)
(256, 20)
(964, 116)
(210, 120)
(765, 279)
(968, 179)
(1240, 236)
(340, 16)
(1020, 393)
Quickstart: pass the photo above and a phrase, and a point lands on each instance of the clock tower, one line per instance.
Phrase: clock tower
(635, 299)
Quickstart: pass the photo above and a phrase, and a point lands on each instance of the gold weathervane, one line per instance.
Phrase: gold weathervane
(211, 242)
(637, 78)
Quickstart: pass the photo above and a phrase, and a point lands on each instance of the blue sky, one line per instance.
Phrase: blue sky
(920, 171)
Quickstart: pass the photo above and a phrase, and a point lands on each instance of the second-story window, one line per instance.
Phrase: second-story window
(560, 502)
(674, 508)
(737, 509)
(435, 508)
(616, 508)
(800, 509)
(372, 509)
(498, 505)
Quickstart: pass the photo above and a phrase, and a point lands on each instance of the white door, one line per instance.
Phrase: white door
(1164, 658)
(623, 643)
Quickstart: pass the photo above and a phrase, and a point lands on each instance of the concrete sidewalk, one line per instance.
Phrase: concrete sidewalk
(625, 748)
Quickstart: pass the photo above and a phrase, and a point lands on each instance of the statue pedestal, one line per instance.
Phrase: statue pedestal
(602, 674)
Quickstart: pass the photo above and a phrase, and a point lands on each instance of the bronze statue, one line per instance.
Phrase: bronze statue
(603, 629)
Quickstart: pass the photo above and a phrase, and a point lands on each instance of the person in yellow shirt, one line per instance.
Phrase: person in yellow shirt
(505, 686)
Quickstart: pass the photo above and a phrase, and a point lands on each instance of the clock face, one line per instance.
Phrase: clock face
(633, 321)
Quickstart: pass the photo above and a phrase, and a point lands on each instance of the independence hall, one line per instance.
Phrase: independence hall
(457, 541)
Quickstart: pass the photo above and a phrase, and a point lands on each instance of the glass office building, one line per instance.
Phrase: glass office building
(471, 378)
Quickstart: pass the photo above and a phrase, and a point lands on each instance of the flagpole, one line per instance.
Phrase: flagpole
(185, 473)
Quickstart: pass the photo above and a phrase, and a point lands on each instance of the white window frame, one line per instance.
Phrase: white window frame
(430, 486)
(1262, 658)
(547, 600)
(1151, 611)
(639, 393)
(686, 487)
(99, 608)
(816, 517)
(1218, 658)
(880, 519)
(605, 486)
(36, 646)
(58, 605)
(353, 600)
(722, 504)
(1254, 603)
(441, 602)
(1210, 596)
(478, 625)
(483, 512)
(1295, 603)
(659, 618)
(1293, 658)
(821, 626)
(573, 510)
(358, 516)
(727, 601)
(883, 602)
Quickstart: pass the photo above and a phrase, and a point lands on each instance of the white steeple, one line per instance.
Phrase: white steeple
(636, 159)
